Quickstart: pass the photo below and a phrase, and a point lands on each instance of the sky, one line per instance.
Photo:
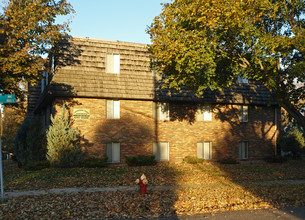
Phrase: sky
(123, 20)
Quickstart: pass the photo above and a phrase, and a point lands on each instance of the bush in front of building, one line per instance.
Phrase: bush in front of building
(63, 142)
(30, 142)
(228, 160)
(292, 141)
(39, 165)
(94, 162)
(193, 160)
(141, 160)
(276, 159)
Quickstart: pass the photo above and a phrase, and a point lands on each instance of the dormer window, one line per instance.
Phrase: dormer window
(204, 112)
(44, 81)
(112, 63)
(242, 79)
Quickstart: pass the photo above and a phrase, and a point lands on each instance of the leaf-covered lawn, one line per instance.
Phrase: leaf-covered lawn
(164, 174)
(131, 204)
(223, 191)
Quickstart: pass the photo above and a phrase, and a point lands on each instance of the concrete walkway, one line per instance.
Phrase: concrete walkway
(289, 213)
(134, 188)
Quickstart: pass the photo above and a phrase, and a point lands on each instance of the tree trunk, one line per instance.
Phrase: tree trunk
(281, 95)
(300, 119)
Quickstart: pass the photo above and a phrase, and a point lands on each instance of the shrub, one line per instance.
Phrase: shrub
(292, 140)
(193, 160)
(228, 160)
(30, 142)
(94, 162)
(276, 159)
(62, 142)
(141, 160)
(39, 165)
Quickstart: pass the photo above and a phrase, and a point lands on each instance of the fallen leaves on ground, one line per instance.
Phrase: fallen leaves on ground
(162, 174)
(131, 204)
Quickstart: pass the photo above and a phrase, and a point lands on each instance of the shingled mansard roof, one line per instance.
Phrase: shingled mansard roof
(81, 72)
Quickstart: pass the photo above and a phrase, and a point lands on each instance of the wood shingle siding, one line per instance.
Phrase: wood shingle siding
(80, 79)
(82, 72)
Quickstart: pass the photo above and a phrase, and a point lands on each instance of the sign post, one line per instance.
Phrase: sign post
(3, 99)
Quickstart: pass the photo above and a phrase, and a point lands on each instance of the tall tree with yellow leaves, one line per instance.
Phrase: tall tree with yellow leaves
(28, 30)
(208, 43)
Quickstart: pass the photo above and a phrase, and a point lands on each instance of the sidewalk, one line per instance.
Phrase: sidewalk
(134, 188)
(290, 213)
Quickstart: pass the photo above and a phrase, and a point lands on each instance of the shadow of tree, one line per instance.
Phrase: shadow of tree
(135, 131)
(260, 131)
(65, 53)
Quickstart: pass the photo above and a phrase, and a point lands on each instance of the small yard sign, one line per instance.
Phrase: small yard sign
(7, 98)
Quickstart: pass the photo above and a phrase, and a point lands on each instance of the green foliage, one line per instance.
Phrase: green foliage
(93, 162)
(13, 117)
(62, 142)
(207, 44)
(276, 159)
(28, 30)
(292, 140)
(193, 160)
(228, 160)
(39, 165)
(30, 142)
(141, 160)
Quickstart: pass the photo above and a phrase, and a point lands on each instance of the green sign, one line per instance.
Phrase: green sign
(7, 98)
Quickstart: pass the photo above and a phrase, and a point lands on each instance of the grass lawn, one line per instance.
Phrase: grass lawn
(228, 187)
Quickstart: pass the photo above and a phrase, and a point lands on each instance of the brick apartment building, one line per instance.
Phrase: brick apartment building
(116, 102)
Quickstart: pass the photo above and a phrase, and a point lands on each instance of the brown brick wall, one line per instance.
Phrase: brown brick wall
(136, 130)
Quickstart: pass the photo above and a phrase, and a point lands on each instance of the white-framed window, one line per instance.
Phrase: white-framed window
(243, 113)
(154, 73)
(242, 79)
(204, 150)
(243, 150)
(113, 152)
(44, 81)
(112, 63)
(161, 151)
(113, 109)
(52, 65)
(161, 111)
(302, 110)
(204, 112)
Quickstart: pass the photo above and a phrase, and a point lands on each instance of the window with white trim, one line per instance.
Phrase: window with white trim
(161, 151)
(243, 150)
(242, 79)
(44, 81)
(204, 150)
(113, 109)
(161, 111)
(112, 63)
(204, 112)
(243, 113)
(113, 152)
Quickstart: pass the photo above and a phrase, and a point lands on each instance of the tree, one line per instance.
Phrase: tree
(13, 118)
(30, 142)
(208, 43)
(28, 30)
(62, 142)
(292, 140)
